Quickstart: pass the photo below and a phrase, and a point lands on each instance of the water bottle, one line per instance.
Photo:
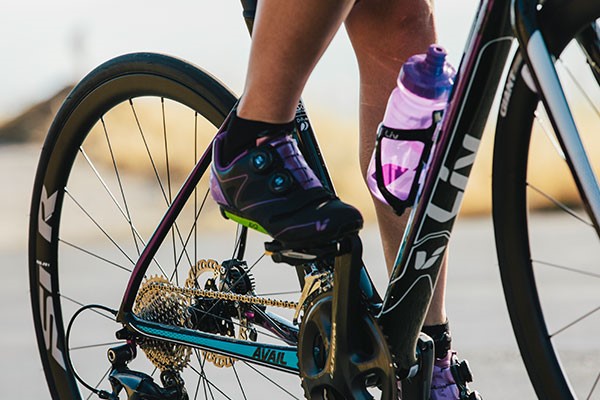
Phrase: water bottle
(405, 135)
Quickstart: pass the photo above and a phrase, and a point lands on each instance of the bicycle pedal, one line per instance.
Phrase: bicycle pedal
(462, 376)
(462, 372)
(299, 255)
(474, 396)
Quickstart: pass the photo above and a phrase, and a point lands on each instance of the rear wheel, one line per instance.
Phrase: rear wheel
(548, 246)
(115, 157)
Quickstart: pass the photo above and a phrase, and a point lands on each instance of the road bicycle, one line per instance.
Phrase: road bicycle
(128, 252)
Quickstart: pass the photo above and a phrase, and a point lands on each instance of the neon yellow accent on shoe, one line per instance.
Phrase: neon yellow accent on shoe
(245, 222)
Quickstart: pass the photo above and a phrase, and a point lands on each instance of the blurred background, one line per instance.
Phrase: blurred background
(47, 47)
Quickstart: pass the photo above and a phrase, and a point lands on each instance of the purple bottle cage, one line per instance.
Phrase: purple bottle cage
(410, 135)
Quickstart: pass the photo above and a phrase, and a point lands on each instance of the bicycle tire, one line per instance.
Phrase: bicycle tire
(78, 250)
(539, 329)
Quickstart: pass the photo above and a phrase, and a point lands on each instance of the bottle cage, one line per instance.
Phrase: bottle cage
(424, 136)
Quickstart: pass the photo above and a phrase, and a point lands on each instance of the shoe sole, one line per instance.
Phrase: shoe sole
(343, 231)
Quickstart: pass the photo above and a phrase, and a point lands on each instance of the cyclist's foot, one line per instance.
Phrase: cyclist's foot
(450, 378)
(270, 188)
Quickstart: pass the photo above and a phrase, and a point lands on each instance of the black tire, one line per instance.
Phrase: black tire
(556, 353)
(97, 200)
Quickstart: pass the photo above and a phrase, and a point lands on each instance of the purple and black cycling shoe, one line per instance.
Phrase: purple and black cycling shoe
(270, 188)
(450, 378)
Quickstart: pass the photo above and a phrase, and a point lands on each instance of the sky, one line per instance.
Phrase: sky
(47, 45)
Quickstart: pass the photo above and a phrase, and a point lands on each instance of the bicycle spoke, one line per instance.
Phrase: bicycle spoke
(111, 317)
(594, 387)
(560, 205)
(141, 131)
(118, 176)
(198, 389)
(175, 229)
(105, 186)
(201, 363)
(91, 346)
(583, 317)
(577, 271)
(271, 380)
(98, 226)
(99, 382)
(106, 233)
(192, 230)
(240, 243)
(196, 188)
(95, 255)
(169, 188)
(549, 132)
(237, 377)
(210, 384)
(238, 239)
(579, 86)
(164, 121)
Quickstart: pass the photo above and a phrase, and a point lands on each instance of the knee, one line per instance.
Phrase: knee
(390, 26)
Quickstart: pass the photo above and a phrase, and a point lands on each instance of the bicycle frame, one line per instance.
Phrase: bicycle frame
(426, 238)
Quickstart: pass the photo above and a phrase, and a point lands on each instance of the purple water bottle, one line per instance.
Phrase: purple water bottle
(405, 135)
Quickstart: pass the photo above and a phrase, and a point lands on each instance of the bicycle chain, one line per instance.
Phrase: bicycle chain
(218, 295)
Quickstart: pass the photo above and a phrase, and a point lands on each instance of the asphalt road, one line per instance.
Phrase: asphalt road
(481, 328)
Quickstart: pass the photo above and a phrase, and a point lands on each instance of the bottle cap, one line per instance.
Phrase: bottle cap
(428, 75)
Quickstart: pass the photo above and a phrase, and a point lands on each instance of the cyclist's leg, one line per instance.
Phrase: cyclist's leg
(288, 39)
(384, 33)
(266, 183)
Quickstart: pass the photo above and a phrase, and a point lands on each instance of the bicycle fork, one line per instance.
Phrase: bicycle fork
(540, 65)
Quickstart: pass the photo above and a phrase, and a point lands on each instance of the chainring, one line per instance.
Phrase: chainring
(365, 369)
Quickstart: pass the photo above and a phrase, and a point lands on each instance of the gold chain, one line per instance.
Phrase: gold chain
(218, 295)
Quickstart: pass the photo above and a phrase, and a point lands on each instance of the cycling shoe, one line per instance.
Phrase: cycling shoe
(450, 378)
(270, 188)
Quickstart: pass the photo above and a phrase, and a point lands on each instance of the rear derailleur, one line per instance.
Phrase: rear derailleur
(137, 385)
